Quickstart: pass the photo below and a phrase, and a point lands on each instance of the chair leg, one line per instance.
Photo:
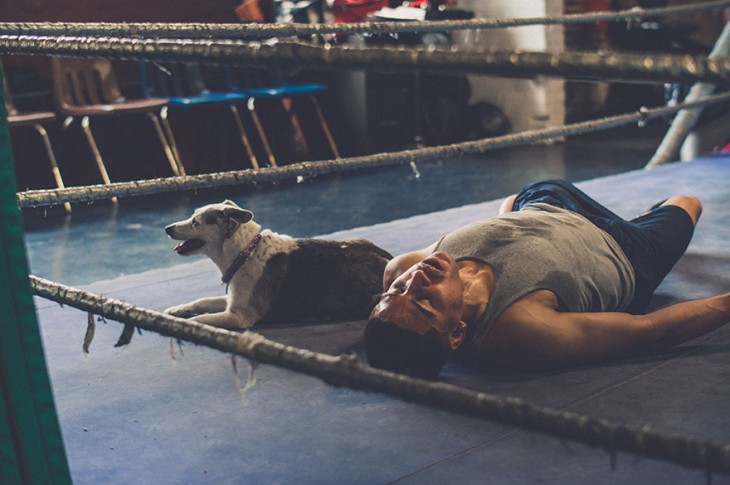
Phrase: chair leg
(294, 119)
(251, 105)
(325, 128)
(95, 150)
(171, 139)
(244, 138)
(52, 157)
(175, 165)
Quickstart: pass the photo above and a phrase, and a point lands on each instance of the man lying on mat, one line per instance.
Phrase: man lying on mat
(554, 280)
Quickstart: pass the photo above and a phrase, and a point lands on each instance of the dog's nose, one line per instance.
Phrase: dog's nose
(170, 230)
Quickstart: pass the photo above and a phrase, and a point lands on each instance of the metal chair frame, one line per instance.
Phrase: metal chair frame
(88, 88)
(256, 88)
(184, 86)
(36, 119)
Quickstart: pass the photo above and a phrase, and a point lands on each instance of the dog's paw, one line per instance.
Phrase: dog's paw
(182, 311)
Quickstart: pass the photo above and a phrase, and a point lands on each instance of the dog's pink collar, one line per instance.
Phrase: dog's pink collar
(241, 259)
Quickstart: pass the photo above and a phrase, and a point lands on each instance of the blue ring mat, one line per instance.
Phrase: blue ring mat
(136, 415)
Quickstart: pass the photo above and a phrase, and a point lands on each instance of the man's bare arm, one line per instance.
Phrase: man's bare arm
(532, 334)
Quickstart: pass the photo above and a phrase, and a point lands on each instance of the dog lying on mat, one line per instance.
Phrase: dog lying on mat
(274, 277)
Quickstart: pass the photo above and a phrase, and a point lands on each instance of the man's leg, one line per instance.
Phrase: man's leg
(566, 195)
(655, 241)
(690, 204)
(563, 194)
(507, 204)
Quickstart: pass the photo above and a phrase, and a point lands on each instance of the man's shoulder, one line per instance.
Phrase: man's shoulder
(527, 310)
(516, 334)
(535, 299)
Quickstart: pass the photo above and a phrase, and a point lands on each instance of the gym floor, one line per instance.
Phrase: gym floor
(151, 412)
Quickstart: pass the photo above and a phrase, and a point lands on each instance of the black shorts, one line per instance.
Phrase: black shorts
(653, 242)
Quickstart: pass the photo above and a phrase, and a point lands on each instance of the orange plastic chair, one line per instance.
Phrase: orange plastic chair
(36, 119)
(88, 88)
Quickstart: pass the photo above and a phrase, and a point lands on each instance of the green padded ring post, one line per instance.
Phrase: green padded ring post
(31, 447)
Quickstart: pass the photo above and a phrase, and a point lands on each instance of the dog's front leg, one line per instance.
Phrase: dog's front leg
(213, 304)
(227, 319)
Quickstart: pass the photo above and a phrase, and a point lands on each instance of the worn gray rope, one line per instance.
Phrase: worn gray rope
(577, 65)
(307, 170)
(348, 371)
(241, 31)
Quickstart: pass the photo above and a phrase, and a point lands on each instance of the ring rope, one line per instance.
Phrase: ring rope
(307, 170)
(580, 65)
(244, 30)
(348, 371)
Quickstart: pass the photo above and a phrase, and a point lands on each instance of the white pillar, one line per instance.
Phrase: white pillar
(528, 103)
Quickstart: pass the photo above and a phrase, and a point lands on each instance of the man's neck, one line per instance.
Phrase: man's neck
(478, 281)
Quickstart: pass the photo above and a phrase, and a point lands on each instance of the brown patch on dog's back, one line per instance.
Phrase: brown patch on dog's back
(325, 280)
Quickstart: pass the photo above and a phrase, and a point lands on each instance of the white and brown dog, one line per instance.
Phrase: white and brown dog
(275, 277)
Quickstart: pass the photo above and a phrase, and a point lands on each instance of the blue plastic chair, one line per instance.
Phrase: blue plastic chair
(257, 84)
(183, 85)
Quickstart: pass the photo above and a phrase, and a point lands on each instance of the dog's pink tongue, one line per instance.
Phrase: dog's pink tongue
(177, 247)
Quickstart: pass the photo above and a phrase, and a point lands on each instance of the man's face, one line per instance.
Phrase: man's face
(427, 295)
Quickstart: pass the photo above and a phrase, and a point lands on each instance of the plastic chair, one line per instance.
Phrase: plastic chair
(257, 84)
(88, 88)
(36, 119)
(183, 85)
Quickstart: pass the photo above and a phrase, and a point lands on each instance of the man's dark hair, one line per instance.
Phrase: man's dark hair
(392, 348)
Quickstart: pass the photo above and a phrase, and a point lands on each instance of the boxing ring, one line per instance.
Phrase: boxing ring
(151, 412)
(135, 413)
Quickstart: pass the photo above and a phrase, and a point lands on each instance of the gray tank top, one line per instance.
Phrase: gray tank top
(543, 247)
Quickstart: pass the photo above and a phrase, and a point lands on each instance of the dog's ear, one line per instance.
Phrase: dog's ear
(231, 203)
(242, 216)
